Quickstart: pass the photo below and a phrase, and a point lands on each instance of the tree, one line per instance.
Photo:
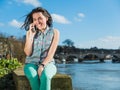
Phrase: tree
(10, 47)
(68, 43)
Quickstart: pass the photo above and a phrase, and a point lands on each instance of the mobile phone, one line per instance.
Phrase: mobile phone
(34, 29)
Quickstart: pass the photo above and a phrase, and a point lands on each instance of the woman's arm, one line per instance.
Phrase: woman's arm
(53, 47)
(51, 52)
(29, 43)
(29, 40)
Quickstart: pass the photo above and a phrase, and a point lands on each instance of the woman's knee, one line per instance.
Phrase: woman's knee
(49, 71)
(30, 71)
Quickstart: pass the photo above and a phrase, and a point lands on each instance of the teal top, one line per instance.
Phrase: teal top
(41, 45)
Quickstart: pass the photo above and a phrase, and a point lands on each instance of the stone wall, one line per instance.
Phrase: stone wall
(58, 82)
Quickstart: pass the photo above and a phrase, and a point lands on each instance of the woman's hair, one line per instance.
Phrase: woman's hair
(29, 18)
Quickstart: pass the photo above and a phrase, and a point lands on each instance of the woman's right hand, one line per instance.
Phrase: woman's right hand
(31, 32)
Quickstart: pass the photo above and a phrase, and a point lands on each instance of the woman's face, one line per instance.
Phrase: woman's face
(39, 20)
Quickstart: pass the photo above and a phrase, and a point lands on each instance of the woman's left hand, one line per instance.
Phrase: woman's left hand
(40, 69)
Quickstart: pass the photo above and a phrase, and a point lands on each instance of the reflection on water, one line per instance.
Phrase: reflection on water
(93, 76)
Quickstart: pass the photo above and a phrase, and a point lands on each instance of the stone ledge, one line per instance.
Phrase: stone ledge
(61, 82)
(58, 82)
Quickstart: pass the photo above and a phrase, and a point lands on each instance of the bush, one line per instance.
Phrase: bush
(6, 68)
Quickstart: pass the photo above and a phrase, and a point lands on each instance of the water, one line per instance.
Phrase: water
(93, 76)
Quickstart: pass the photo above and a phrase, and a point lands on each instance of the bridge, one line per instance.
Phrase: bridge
(80, 57)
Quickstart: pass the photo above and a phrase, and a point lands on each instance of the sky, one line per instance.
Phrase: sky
(88, 23)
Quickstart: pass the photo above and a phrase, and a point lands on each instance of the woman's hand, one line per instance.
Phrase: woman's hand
(31, 32)
(40, 69)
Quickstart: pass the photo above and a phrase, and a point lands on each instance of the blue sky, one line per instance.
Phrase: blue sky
(88, 23)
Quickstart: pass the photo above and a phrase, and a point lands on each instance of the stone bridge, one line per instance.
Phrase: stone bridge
(88, 56)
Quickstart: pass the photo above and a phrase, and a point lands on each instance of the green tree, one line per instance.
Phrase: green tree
(68, 43)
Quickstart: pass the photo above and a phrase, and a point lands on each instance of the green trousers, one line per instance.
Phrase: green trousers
(44, 81)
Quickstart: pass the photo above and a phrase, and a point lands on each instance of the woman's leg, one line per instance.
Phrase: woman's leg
(47, 74)
(30, 71)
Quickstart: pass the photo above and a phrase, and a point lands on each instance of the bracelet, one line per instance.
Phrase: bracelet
(42, 65)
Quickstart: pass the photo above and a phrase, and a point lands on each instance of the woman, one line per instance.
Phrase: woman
(40, 46)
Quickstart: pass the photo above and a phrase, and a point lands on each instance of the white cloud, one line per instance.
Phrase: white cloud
(108, 42)
(79, 17)
(1, 24)
(60, 19)
(34, 3)
(15, 23)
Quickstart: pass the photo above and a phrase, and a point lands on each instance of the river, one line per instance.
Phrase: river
(93, 75)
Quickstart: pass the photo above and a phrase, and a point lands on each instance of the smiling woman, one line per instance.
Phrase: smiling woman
(40, 46)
